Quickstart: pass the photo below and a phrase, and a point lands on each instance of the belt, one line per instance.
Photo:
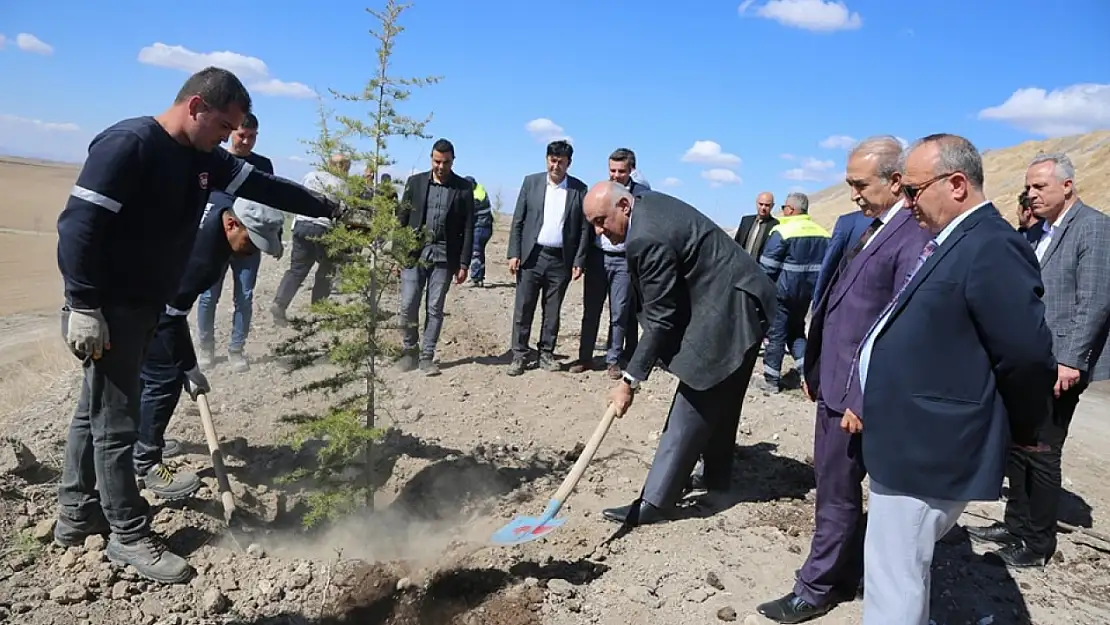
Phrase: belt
(557, 251)
(613, 253)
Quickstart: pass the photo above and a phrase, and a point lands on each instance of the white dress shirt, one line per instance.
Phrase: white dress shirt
(869, 341)
(321, 182)
(554, 213)
(1048, 230)
(885, 218)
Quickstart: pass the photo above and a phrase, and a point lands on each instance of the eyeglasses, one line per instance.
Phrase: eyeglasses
(911, 191)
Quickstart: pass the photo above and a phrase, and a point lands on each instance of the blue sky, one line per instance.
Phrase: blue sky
(720, 100)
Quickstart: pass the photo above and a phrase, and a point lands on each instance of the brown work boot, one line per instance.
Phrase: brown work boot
(614, 371)
(580, 366)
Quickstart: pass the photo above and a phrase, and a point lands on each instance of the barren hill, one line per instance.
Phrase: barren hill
(1005, 175)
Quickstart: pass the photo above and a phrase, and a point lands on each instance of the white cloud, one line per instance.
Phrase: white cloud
(671, 182)
(252, 71)
(30, 43)
(814, 15)
(279, 88)
(811, 169)
(838, 142)
(36, 138)
(544, 130)
(710, 153)
(718, 177)
(3, 40)
(787, 156)
(1071, 110)
(38, 124)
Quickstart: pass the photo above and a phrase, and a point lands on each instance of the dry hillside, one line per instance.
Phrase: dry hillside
(1005, 173)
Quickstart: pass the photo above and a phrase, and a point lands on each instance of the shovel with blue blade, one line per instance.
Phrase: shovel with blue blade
(524, 529)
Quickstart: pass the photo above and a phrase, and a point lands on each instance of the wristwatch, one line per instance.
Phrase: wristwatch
(632, 382)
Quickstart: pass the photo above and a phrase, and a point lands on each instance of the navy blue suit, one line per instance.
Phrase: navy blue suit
(846, 232)
(963, 366)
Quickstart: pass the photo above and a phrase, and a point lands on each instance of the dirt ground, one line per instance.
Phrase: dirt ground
(469, 450)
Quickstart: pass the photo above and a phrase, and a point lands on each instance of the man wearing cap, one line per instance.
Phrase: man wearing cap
(238, 231)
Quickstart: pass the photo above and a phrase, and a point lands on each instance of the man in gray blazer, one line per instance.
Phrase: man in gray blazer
(705, 308)
(1074, 251)
(548, 241)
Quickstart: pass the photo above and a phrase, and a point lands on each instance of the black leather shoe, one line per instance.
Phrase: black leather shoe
(1018, 556)
(994, 533)
(791, 609)
(642, 513)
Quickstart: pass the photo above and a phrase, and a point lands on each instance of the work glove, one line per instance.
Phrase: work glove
(87, 333)
(351, 216)
(196, 383)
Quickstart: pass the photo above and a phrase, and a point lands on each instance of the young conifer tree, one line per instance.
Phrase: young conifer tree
(349, 329)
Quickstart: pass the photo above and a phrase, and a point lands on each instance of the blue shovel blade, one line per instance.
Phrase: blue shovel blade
(525, 529)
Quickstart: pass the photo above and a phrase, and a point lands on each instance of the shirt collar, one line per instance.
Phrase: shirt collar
(561, 185)
(940, 238)
(1059, 218)
(891, 212)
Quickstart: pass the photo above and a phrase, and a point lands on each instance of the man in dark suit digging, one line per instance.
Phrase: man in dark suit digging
(705, 307)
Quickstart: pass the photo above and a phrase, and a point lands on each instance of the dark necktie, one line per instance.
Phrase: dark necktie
(867, 234)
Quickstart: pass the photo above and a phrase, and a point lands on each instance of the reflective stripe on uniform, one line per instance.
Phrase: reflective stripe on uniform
(239, 179)
(92, 197)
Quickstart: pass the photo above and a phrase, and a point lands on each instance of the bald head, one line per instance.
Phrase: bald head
(340, 162)
(764, 203)
(607, 206)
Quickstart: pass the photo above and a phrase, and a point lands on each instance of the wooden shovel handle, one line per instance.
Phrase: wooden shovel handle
(587, 455)
(226, 497)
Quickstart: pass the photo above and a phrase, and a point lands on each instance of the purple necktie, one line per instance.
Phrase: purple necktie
(926, 252)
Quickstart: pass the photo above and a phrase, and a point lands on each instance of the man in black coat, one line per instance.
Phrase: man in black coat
(706, 307)
(442, 203)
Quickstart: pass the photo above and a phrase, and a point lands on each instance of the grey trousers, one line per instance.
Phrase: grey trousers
(99, 473)
(431, 283)
(701, 424)
(902, 532)
(607, 277)
(306, 252)
(543, 274)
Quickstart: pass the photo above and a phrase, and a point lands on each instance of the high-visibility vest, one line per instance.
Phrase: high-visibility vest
(479, 192)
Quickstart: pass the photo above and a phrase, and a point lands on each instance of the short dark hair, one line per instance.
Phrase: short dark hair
(621, 155)
(250, 122)
(443, 146)
(560, 148)
(387, 178)
(218, 87)
(1024, 201)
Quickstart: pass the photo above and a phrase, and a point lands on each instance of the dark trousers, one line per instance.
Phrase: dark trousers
(1034, 476)
(788, 329)
(98, 474)
(544, 275)
(607, 277)
(430, 284)
(483, 231)
(161, 383)
(835, 562)
(701, 424)
(306, 252)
